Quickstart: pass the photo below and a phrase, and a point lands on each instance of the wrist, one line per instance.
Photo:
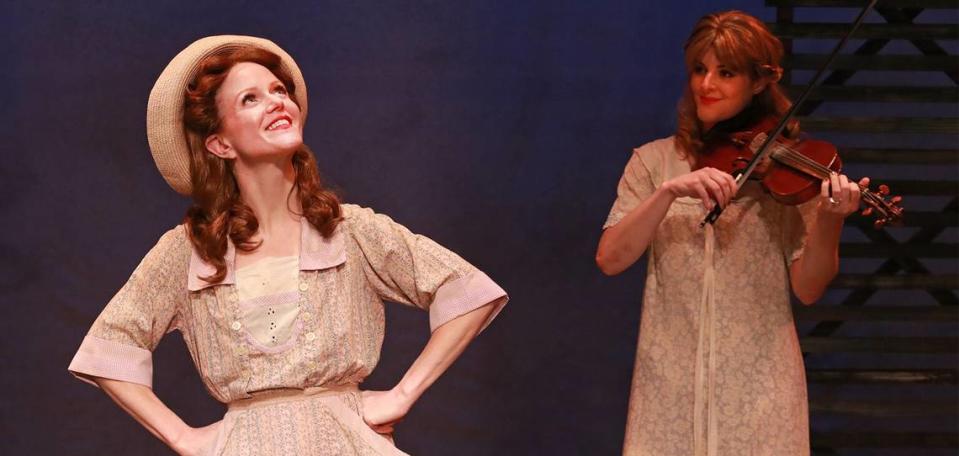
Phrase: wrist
(177, 442)
(404, 395)
(830, 220)
(668, 189)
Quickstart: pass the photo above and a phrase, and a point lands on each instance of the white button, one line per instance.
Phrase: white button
(236, 326)
(304, 286)
(241, 350)
(310, 336)
(307, 315)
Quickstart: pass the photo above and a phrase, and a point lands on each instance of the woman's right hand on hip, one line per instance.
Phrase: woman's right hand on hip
(199, 441)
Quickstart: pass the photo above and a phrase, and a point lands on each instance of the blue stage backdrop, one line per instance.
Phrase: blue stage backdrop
(498, 128)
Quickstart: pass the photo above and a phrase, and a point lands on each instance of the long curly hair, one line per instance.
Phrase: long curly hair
(743, 44)
(218, 212)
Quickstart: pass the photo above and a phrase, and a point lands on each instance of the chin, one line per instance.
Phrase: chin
(290, 145)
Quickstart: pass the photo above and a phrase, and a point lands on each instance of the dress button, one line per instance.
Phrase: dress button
(232, 297)
(307, 315)
(236, 326)
(241, 350)
(304, 286)
(310, 336)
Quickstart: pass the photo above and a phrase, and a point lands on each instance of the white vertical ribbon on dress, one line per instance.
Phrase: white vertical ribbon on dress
(704, 417)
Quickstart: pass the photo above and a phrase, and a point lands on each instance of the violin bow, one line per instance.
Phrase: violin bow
(764, 150)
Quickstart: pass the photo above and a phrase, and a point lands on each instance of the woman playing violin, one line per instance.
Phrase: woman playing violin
(718, 368)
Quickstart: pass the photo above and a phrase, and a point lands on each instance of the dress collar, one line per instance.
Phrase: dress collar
(316, 252)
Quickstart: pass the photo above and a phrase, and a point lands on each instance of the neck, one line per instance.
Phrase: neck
(266, 188)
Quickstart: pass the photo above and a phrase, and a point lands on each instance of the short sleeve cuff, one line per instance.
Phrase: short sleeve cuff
(108, 359)
(613, 218)
(464, 295)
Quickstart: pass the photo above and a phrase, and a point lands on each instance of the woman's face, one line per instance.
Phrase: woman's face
(257, 116)
(719, 92)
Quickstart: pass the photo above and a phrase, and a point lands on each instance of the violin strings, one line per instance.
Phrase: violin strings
(798, 161)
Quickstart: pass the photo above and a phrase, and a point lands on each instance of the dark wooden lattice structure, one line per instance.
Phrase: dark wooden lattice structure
(882, 348)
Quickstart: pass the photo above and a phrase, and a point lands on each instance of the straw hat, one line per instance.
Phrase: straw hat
(165, 131)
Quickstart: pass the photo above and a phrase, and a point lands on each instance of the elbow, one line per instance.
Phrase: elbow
(809, 294)
(607, 265)
(807, 298)
(807, 287)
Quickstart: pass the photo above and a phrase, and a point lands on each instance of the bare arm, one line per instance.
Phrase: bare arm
(624, 243)
(383, 409)
(819, 263)
(145, 407)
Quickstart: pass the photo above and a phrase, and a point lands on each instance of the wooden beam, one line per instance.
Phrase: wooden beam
(883, 376)
(912, 218)
(929, 125)
(889, 407)
(871, 250)
(916, 155)
(832, 31)
(892, 62)
(897, 281)
(926, 314)
(926, 345)
(934, 4)
(880, 94)
(885, 439)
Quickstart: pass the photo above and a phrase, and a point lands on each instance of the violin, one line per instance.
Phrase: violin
(792, 169)
(795, 169)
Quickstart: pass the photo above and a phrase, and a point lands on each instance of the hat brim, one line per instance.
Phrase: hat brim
(165, 129)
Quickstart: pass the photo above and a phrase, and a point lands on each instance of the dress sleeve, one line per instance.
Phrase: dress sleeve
(635, 186)
(414, 270)
(120, 343)
(796, 222)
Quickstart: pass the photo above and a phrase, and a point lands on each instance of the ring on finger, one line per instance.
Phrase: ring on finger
(833, 201)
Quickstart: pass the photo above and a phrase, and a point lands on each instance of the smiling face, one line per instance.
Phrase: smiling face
(258, 118)
(718, 91)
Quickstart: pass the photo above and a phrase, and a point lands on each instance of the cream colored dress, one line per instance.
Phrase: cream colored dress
(285, 343)
(718, 367)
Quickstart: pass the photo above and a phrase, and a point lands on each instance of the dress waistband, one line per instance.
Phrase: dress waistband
(273, 396)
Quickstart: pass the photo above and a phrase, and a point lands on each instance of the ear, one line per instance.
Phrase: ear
(759, 85)
(218, 146)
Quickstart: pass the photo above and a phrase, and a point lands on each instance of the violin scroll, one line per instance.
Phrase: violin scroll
(886, 208)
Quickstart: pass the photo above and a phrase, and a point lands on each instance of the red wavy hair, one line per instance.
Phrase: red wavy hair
(218, 211)
(743, 44)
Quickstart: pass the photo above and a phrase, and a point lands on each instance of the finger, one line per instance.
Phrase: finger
(824, 190)
(864, 182)
(730, 182)
(844, 188)
(722, 189)
(715, 191)
(383, 429)
(854, 197)
(703, 195)
(835, 192)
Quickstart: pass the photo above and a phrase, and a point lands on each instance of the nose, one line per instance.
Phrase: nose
(707, 82)
(275, 103)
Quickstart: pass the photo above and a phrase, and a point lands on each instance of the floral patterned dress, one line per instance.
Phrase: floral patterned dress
(286, 358)
(718, 366)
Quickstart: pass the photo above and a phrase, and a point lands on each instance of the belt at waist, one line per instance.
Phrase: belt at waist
(273, 396)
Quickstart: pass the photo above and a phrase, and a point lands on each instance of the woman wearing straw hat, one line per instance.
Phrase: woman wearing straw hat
(276, 286)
